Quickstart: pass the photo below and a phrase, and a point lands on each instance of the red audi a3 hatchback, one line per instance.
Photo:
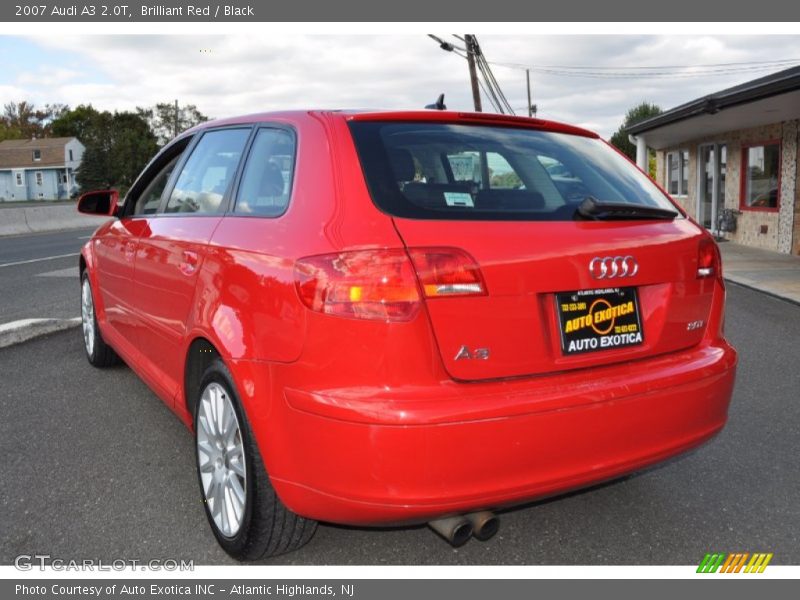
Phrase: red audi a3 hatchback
(380, 318)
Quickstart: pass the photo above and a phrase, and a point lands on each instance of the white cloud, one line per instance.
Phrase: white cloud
(47, 75)
(232, 74)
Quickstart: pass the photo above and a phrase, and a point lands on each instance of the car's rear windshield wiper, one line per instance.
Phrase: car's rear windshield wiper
(596, 210)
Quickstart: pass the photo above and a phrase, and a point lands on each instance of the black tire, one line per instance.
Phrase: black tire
(98, 353)
(267, 528)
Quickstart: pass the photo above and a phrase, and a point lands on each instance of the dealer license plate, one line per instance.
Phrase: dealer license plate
(593, 320)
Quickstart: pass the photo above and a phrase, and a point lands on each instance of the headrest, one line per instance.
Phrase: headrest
(271, 181)
(402, 164)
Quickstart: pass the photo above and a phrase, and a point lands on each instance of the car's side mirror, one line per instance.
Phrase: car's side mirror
(103, 203)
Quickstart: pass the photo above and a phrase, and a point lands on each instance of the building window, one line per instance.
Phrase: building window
(62, 177)
(19, 179)
(761, 168)
(678, 172)
(39, 178)
(70, 155)
(37, 155)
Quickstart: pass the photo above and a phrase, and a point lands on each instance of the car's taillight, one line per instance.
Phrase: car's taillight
(382, 284)
(362, 284)
(709, 263)
(447, 272)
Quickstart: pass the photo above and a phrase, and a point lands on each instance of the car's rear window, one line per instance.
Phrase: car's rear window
(479, 172)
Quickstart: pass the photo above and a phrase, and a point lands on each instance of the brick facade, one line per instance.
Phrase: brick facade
(772, 230)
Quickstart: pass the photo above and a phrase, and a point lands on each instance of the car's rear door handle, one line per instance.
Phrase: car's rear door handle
(189, 262)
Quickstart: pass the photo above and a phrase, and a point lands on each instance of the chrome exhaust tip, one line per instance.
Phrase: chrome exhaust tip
(456, 530)
(484, 524)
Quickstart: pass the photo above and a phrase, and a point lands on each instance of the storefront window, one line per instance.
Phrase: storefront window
(678, 172)
(761, 176)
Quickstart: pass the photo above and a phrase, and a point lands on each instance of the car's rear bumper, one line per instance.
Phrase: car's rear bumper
(371, 456)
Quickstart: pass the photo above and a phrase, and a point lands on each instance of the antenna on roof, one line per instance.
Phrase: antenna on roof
(439, 104)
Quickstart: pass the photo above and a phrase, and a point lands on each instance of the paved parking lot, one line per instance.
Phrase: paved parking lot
(93, 465)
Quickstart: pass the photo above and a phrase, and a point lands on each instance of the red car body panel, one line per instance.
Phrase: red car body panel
(114, 253)
(368, 422)
(169, 258)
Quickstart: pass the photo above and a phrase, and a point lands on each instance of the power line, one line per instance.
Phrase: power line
(491, 100)
(651, 73)
(490, 87)
(490, 84)
(486, 71)
(477, 64)
(633, 72)
(708, 65)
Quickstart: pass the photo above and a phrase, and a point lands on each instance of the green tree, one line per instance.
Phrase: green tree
(80, 122)
(22, 120)
(8, 133)
(638, 113)
(505, 180)
(134, 144)
(166, 122)
(118, 146)
(94, 129)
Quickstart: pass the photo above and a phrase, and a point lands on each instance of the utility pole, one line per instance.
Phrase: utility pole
(528, 78)
(472, 49)
(177, 118)
(472, 52)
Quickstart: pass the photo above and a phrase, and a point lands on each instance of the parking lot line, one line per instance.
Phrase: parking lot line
(35, 260)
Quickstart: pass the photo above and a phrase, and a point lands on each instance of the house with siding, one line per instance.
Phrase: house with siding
(731, 160)
(39, 169)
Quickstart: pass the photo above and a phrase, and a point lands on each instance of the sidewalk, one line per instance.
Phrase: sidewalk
(770, 272)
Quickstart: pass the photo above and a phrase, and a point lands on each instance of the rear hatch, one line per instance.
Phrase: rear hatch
(583, 261)
(539, 285)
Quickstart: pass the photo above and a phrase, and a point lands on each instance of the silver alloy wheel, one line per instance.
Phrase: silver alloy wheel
(220, 457)
(87, 316)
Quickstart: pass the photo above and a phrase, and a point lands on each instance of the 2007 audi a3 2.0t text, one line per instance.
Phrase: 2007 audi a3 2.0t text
(378, 318)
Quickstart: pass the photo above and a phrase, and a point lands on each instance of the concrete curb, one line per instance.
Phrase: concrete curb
(33, 219)
(28, 329)
(750, 286)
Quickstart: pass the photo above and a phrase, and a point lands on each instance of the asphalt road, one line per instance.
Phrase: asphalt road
(93, 465)
(39, 275)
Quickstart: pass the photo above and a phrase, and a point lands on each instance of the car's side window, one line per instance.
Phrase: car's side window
(208, 172)
(150, 199)
(267, 179)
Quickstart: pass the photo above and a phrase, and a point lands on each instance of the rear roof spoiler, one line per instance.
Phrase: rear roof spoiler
(442, 116)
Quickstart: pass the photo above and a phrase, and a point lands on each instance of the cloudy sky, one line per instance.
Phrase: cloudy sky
(233, 74)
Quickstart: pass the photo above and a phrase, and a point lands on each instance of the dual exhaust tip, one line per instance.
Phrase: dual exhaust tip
(457, 530)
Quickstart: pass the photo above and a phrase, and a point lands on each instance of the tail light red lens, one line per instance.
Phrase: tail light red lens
(382, 284)
(364, 284)
(709, 263)
(447, 272)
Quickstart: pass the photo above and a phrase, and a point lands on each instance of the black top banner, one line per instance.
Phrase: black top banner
(405, 11)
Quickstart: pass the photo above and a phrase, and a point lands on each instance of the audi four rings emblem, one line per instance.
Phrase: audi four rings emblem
(607, 267)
